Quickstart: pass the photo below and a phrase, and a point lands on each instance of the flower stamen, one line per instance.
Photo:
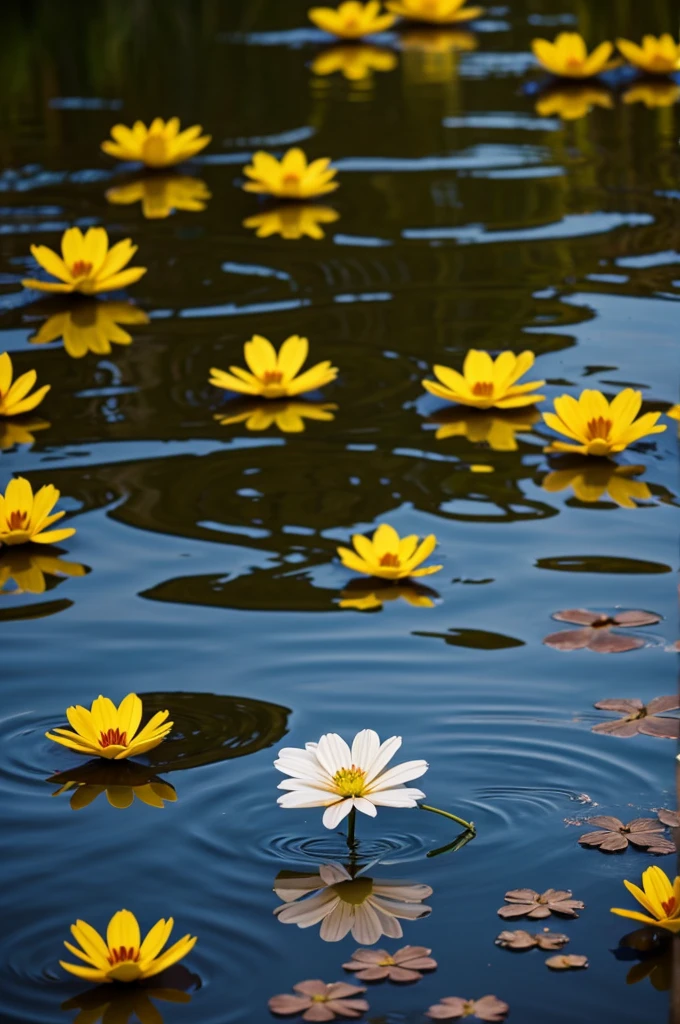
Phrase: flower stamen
(350, 781)
(669, 906)
(123, 955)
(483, 389)
(599, 428)
(113, 737)
(272, 377)
(81, 268)
(390, 561)
(17, 520)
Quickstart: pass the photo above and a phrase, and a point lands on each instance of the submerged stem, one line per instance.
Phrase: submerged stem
(351, 826)
(469, 825)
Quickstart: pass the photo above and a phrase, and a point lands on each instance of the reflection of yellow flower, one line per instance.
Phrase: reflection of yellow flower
(162, 144)
(91, 326)
(20, 431)
(438, 41)
(364, 595)
(653, 94)
(288, 416)
(112, 732)
(656, 56)
(14, 397)
(114, 1005)
(355, 62)
(352, 20)
(438, 12)
(487, 383)
(86, 264)
(154, 793)
(292, 177)
(497, 429)
(161, 195)
(275, 375)
(598, 479)
(659, 897)
(389, 556)
(600, 427)
(25, 516)
(28, 570)
(124, 957)
(572, 102)
(568, 56)
(292, 222)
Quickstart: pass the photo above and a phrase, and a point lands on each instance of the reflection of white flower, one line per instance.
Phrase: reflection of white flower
(328, 774)
(365, 906)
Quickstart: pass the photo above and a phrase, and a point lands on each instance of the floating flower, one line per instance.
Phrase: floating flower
(568, 57)
(668, 817)
(612, 835)
(366, 596)
(600, 478)
(366, 907)
(355, 63)
(436, 12)
(645, 719)
(87, 264)
(118, 1005)
(566, 962)
(25, 516)
(573, 101)
(275, 375)
(14, 397)
(352, 20)
(287, 416)
(123, 956)
(162, 144)
(328, 774)
(404, 965)
(161, 195)
(388, 556)
(656, 56)
(529, 903)
(292, 177)
(155, 793)
(659, 897)
(28, 568)
(600, 427)
(497, 429)
(21, 431)
(292, 221)
(487, 383)
(653, 94)
(91, 326)
(112, 732)
(488, 1008)
(522, 940)
(596, 632)
(318, 1001)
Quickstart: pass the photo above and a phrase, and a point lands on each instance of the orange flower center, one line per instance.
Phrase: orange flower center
(599, 428)
(123, 955)
(574, 62)
(291, 178)
(114, 737)
(272, 377)
(390, 561)
(669, 906)
(483, 389)
(17, 520)
(81, 268)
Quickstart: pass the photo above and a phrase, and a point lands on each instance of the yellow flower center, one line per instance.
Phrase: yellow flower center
(154, 150)
(469, 1008)
(291, 178)
(319, 999)
(17, 520)
(355, 892)
(350, 781)
(113, 737)
(123, 955)
(483, 389)
(272, 377)
(669, 906)
(574, 62)
(387, 962)
(81, 268)
(390, 561)
(599, 428)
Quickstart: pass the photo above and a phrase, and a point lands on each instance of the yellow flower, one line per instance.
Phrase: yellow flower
(438, 12)
(291, 177)
(274, 375)
(91, 326)
(162, 144)
(20, 431)
(659, 897)
(653, 94)
(388, 556)
(352, 20)
(674, 412)
(499, 430)
(656, 56)
(600, 427)
(287, 416)
(123, 956)
(487, 383)
(365, 597)
(568, 56)
(572, 102)
(25, 517)
(112, 732)
(356, 63)
(29, 568)
(155, 793)
(161, 195)
(292, 222)
(86, 264)
(14, 397)
(596, 480)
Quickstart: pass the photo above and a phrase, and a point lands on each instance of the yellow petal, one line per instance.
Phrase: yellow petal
(123, 930)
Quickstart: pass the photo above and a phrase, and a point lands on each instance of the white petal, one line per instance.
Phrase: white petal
(333, 753)
(290, 889)
(365, 748)
(365, 806)
(308, 912)
(385, 754)
(337, 924)
(300, 767)
(388, 924)
(305, 798)
(396, 798)
(409, 911)
(293, 784)
(366, 928)
(336, 812)
(400, 774)
(334, 873)
(402, 891)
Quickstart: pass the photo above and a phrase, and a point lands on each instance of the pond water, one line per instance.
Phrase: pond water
(204, 575)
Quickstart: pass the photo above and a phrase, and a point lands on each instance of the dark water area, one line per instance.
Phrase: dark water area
(203, 575)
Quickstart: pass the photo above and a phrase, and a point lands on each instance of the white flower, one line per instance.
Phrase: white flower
(328, 774)
(365, 906)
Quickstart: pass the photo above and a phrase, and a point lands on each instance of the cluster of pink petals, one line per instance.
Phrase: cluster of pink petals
(318, 1001)
(404, 965)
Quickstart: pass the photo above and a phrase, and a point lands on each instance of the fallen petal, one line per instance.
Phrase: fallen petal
(566, 962)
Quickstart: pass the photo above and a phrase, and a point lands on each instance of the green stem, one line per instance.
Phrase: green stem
(469, 825)
(351, 826)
